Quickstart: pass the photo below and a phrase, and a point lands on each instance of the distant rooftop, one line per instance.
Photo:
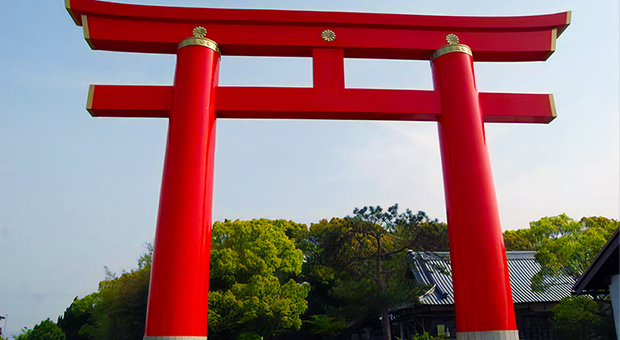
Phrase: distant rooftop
(433, 269)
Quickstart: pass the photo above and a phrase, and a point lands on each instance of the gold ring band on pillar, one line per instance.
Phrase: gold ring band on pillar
(208, 43)
(450, 49)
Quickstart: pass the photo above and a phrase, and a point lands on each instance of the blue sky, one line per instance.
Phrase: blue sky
(78, 193)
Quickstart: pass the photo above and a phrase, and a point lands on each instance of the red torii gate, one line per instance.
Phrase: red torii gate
(178, 295)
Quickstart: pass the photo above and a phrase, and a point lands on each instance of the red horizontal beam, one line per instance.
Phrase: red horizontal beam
(298, 41)
(517, 107)
(129, 101)
(158, 29)
(310, 103)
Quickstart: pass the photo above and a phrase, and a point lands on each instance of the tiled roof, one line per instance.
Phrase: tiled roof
(433, 269)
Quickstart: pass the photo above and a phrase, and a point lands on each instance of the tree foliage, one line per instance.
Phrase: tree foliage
(252, 282)
(517, 240)
(46, 330)
(325, 326)
(573, 252)
(116, 311)
(78, 318)
(563, 246)
(410, 230)
(426, 336)
(576, 318)
(120, 306)
(358, 265)
(253, 292)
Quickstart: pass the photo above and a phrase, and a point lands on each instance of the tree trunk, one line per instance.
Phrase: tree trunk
(385, 322)
(385, 315)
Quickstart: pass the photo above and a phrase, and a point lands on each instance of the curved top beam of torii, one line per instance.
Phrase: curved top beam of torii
(159, 29)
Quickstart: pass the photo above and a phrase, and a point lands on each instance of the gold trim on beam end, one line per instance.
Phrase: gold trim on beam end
(569, 18)
(89, 100)
(451, 49)
(554, 39)
(554, 113)
(198, 41)
(87, 32)
(68, 8)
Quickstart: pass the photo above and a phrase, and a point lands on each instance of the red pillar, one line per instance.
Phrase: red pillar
(483, 299)
(178, 293)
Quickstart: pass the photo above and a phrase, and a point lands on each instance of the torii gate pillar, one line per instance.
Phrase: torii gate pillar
(179, 286)
(483, 299)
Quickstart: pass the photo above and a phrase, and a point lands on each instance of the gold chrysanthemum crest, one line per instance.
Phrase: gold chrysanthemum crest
(199, 32)
(328, 35)
(452, 39)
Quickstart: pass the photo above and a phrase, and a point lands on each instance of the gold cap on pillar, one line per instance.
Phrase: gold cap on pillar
(453, 46)
(199, 38)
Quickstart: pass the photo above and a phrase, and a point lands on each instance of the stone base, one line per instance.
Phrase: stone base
(488, 335)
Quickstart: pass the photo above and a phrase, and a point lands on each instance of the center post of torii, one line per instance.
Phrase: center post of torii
(178, 294)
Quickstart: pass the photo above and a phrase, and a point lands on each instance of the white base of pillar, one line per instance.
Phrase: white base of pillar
(488, 335)
(175, 338)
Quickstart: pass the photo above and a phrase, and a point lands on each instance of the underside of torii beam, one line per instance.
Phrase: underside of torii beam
(179, 279)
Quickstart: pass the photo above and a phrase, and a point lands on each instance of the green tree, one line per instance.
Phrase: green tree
(358, 265)
(323, 250)
(567, 247)
(252, 281)
(576, 318)
(146, 259)
(253, 291)
(393, 234)
(426, 336)
(517, 240)
(117, 310)
(78, 318)
(120, 306)
(325, 326)
(563, 246)
(46, 330)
